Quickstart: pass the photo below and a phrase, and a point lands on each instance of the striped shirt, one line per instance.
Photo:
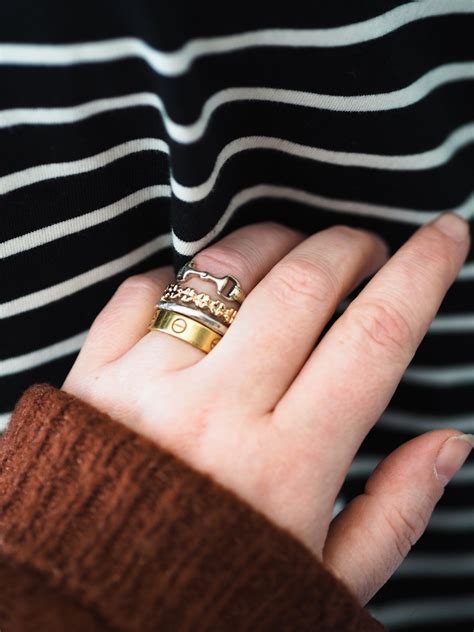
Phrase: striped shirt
(133, 134)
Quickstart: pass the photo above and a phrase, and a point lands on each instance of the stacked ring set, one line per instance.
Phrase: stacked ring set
(197, 317)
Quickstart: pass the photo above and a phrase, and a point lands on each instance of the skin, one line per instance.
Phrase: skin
(268, 414)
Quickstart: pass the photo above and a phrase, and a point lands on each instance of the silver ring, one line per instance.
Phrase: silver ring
(234, 293)
(196, 314)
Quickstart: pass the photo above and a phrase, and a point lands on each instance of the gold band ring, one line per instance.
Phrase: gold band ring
(186, 329)
(195, 314)
(202, 327)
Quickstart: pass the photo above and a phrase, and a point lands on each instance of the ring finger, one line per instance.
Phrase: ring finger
(247, 253)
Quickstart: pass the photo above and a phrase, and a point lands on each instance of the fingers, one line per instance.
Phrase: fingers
(352, 374)
(248, 253)
(370, 538)
(280, 321)
(125, 318)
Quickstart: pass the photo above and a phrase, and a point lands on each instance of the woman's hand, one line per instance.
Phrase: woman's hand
(273, 418)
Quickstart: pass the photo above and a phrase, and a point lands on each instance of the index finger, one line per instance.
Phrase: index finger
(352, 374)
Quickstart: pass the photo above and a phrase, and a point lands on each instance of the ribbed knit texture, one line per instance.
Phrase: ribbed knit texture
(101, 529)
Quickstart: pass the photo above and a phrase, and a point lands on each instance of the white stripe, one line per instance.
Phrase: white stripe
(415, 423)
(179, 61)
(42, 356)
(86, 279)
(440, 376)
(364, 465)
(411, 162)
(395, 99)
(452, 323)
(429, 159)
(404, 97)
(338, 506)
(437, 565)
(81, 222)
(29, 176)
(4, 421)
(407, 216)
(408, 613)
(74, 113)
(448, 520)
(467, 272)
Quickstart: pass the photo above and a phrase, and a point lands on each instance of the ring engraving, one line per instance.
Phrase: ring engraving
(179, 325)
(185, 328)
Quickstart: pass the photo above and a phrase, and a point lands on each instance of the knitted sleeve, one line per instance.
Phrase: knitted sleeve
(101, 529)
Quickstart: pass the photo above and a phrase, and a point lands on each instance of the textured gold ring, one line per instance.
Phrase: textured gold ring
(178, 293)
(186, 329)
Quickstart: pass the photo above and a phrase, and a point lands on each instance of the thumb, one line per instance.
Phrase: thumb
(370, 538)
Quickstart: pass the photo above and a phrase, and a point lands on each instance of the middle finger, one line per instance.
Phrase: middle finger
(280, 321)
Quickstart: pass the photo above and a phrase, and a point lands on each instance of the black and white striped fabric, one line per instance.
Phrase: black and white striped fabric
(134, 133)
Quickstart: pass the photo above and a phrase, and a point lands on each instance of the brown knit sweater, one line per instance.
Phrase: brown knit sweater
(100, 529)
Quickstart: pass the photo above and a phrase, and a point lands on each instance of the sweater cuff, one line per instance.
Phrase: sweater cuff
(132, 533)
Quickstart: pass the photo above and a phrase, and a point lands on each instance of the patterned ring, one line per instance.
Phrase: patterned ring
(176, 293)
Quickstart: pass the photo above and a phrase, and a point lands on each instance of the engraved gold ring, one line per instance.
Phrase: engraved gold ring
(196, 317)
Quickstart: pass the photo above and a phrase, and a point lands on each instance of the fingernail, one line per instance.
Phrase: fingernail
(452, 455)
(453, 226)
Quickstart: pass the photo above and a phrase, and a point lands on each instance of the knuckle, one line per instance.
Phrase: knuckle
(273, 225)
(439, 244)
(364, 240)
(406, 528)
(436, 255)
(384, 326)
(303, 282)
(265, 235)
(349, 231)
(279, 230)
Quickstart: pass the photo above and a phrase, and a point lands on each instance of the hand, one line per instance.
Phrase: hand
(273, 418)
